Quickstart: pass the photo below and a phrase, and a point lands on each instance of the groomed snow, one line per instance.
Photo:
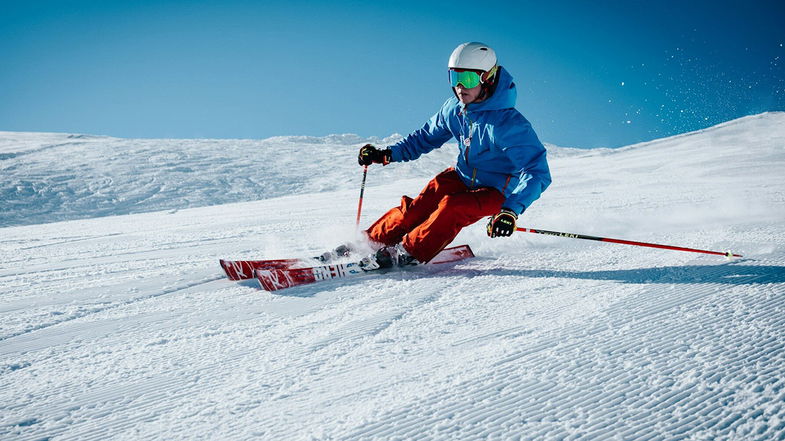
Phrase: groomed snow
(121, 326)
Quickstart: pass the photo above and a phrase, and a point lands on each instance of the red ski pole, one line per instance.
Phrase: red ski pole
(362, 190)
(625, 242)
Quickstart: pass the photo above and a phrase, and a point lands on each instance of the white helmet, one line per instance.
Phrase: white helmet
(475, 56)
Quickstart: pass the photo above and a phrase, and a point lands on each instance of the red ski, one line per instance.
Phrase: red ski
(243, 269)
(273, 279)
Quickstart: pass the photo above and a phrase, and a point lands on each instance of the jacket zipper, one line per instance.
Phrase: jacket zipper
(468, 145)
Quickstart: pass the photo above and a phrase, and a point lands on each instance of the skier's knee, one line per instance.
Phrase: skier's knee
(406, 201)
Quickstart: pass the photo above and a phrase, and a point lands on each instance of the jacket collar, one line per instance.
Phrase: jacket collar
(503, 98)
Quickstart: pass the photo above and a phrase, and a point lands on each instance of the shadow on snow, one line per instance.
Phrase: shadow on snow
(730, 274)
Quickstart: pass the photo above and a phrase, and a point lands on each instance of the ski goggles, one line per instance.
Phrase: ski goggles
(468, 78)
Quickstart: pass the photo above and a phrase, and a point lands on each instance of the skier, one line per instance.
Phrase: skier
(501, 167)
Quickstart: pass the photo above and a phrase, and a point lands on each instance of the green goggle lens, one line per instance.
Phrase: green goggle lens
(467, 78)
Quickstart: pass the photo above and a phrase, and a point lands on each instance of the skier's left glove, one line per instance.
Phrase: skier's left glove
(502, 224)
(371, 155)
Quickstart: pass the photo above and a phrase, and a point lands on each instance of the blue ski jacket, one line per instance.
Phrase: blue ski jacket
(497, 145)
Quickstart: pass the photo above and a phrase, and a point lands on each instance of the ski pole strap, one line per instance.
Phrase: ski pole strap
(727, 254)
(362, 191)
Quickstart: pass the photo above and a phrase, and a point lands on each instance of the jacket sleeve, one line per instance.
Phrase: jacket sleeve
(430, 136)
(527, 154)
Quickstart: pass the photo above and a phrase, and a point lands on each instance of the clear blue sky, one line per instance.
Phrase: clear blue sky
(589, 73)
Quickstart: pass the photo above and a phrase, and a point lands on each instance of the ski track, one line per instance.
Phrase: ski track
(119, 327)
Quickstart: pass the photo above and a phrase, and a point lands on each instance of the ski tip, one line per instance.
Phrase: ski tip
(267, 279)
(729, 255)
(227, 267)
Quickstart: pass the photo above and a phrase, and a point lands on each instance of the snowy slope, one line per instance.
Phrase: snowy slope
(122, 327)
(54, 177)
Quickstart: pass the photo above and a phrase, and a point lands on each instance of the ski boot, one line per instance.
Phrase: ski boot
(340, 252)
(388, 257)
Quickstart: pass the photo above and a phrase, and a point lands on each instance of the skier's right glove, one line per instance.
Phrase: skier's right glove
(371, 155)
(502, 224)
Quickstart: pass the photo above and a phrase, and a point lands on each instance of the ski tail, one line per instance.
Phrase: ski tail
(273, 279)
(453, 254)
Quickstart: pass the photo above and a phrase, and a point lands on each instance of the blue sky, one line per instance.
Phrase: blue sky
(589, 74)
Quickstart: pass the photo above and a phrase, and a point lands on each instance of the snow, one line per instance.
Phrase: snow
(116, 321)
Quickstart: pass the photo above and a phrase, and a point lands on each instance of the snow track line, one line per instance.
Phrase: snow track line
(98, 260)
(97, 310)
(43, 148)
(67, 240)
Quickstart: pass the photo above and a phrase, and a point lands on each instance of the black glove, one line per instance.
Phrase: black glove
(503, 224)
(371, 155)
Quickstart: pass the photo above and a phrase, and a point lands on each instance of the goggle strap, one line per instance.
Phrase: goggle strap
(491, 72)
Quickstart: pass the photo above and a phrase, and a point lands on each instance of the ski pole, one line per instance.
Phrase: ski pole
(625, 242)
(362, 190)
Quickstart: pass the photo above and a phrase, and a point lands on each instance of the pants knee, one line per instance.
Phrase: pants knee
(471, 205)
(457, 205)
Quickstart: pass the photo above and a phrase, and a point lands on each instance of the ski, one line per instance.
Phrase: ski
(273, 279)
(243, 269)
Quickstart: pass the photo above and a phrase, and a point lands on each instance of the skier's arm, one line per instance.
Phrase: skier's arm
(526, 152)
(430, 136)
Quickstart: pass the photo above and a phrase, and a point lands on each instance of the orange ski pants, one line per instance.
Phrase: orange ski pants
(429, 222)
